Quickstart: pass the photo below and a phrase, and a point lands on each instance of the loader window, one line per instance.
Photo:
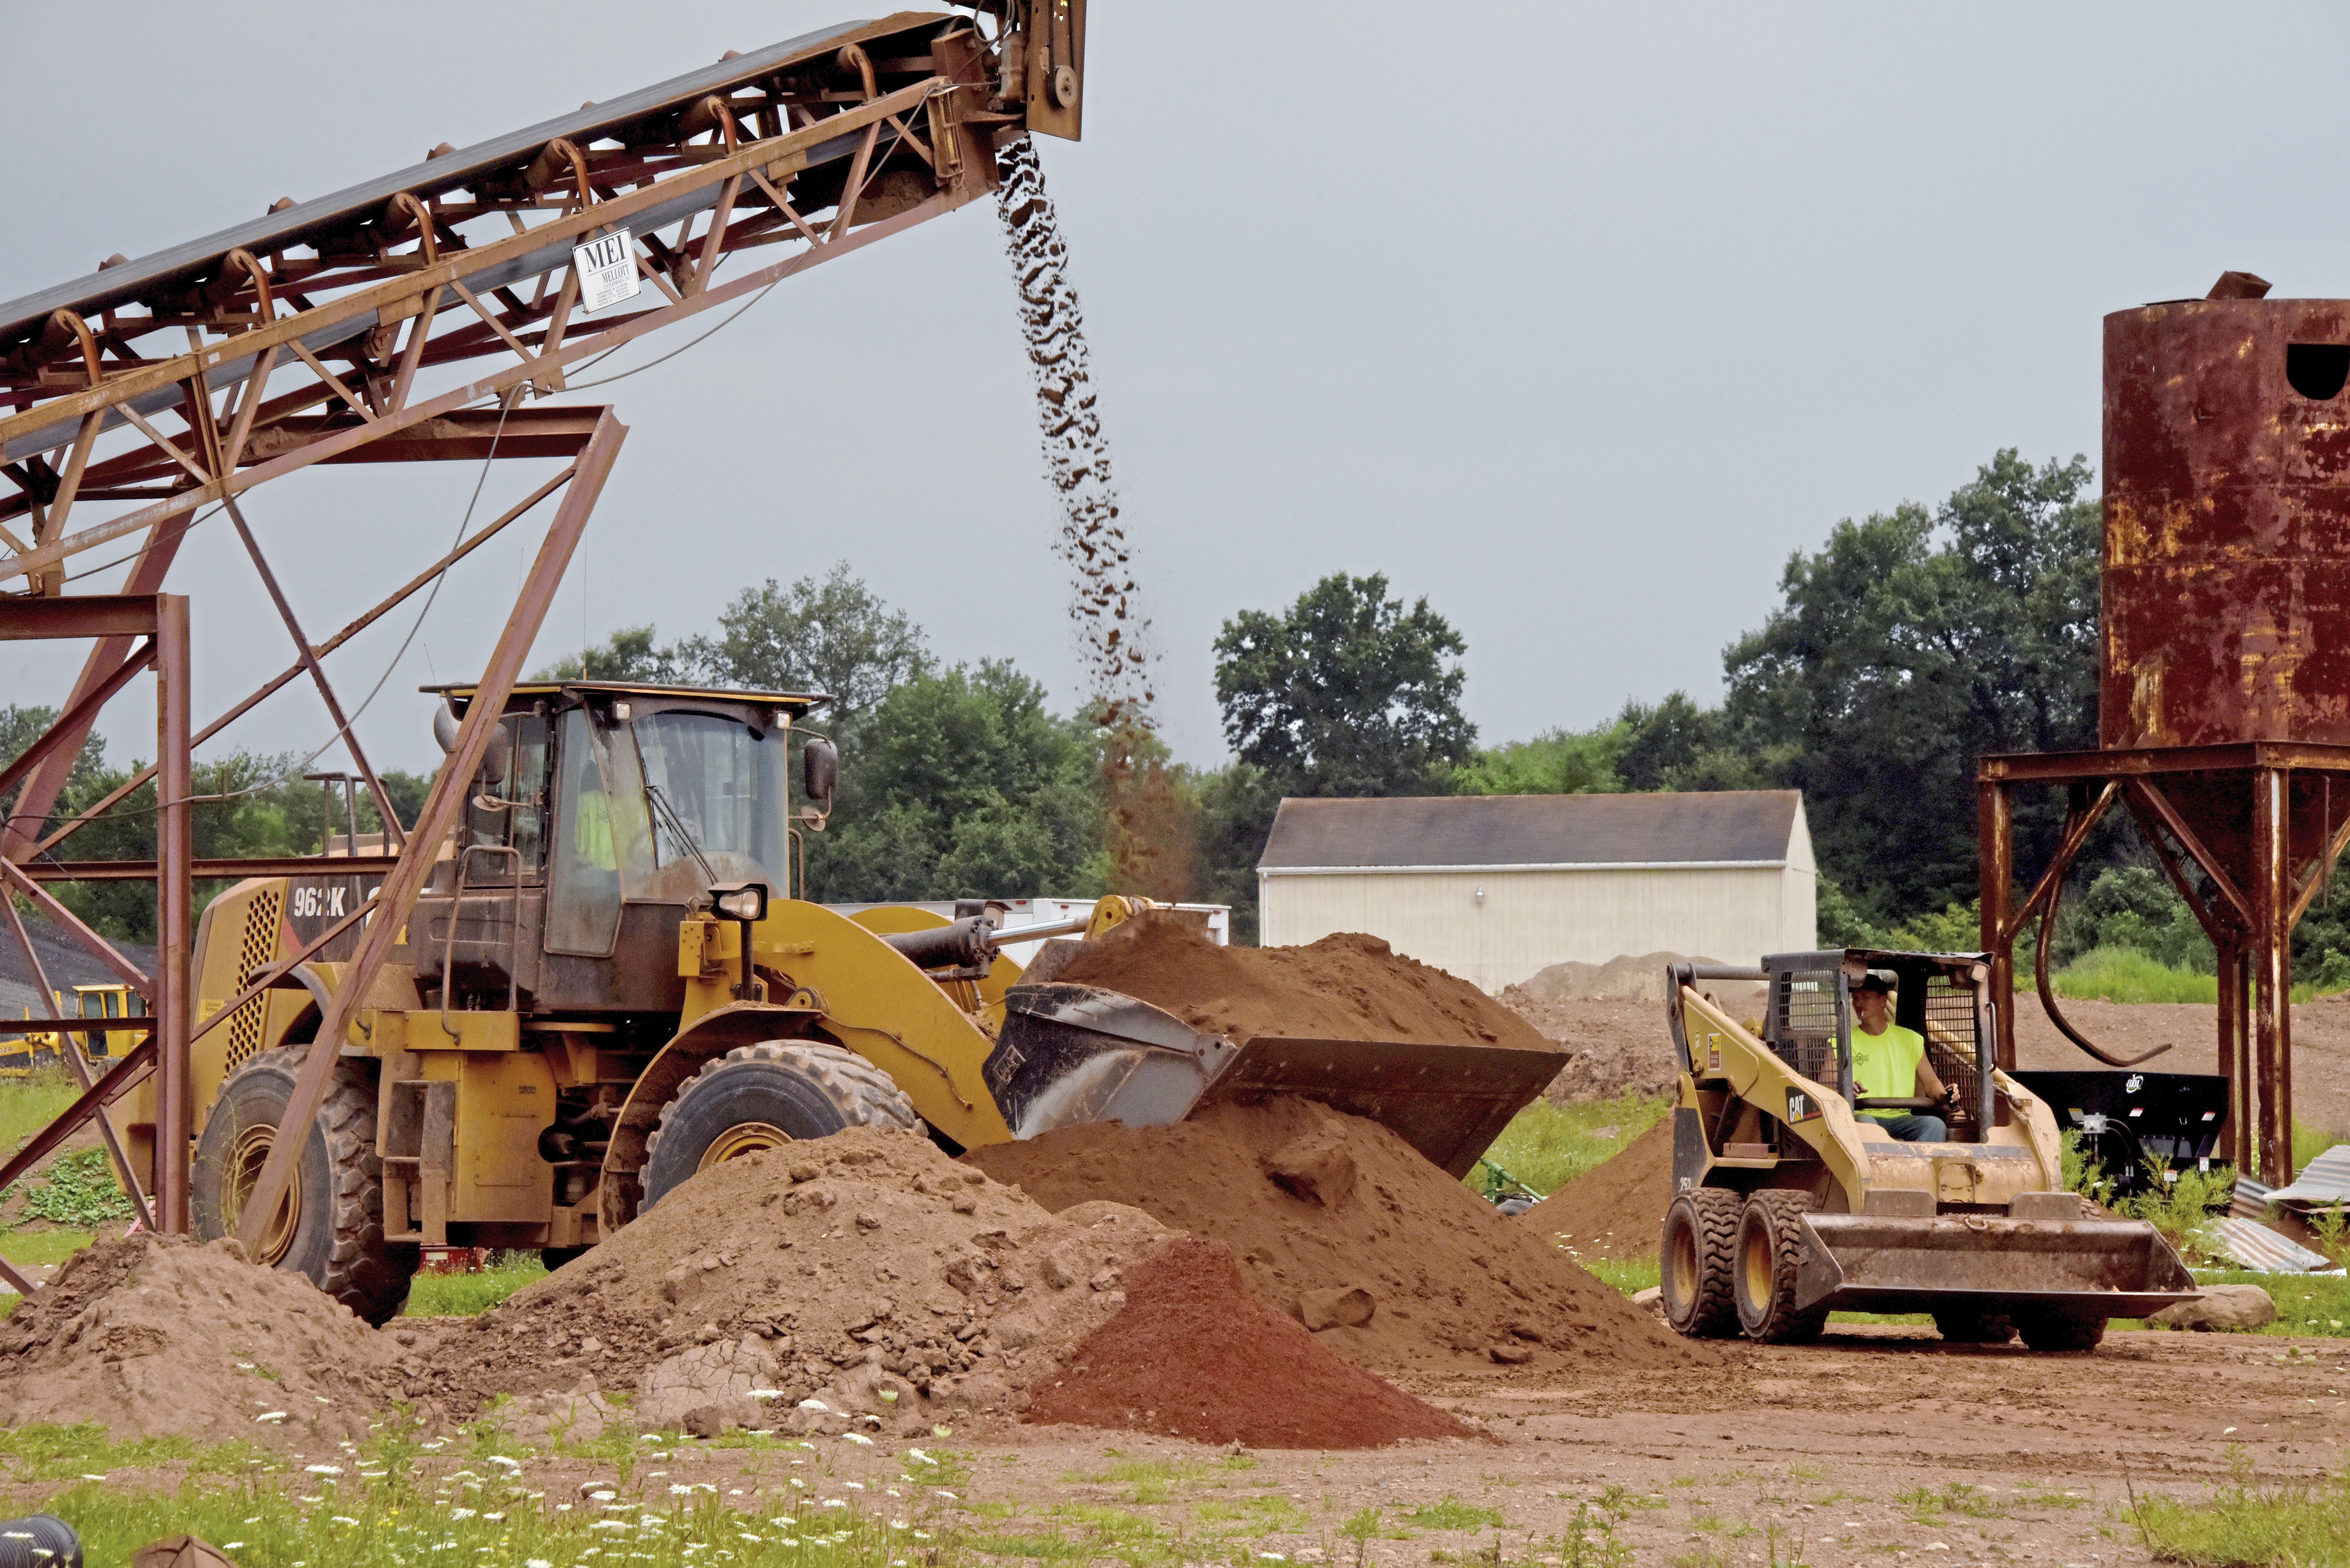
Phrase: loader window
(726, 786)
(515, 814)
(598, 828)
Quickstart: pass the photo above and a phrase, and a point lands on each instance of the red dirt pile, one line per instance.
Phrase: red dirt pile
(1344, 987)
(1192, 1355)
(867, 1270)
(1616, 1209)
(1338, 1221)
(159, 1335)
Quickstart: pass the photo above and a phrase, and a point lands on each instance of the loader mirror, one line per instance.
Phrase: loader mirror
(821, 769)
(497, 755)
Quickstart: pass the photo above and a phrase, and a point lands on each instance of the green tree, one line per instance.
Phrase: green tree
(1560, 761)
(1912, 644)
(835, 637)
(965, 785)
(1347, 693)
(630, 656)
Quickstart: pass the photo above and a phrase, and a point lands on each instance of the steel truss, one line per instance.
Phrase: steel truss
(2248, 836)
(327, 333)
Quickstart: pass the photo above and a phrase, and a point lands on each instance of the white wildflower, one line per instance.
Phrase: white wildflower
(324, 1469)
(270, 1415)
(860, 1439)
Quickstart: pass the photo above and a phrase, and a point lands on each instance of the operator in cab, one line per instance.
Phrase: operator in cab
(1888, 1063)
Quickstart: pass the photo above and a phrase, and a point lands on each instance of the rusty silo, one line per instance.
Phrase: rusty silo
(2224, 695)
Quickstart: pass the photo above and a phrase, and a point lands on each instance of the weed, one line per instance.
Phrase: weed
(2244, 1522)
(1926, 1505)
(1704, 1557)
(79, 1191)
(1452, 1513)
(470, 1296)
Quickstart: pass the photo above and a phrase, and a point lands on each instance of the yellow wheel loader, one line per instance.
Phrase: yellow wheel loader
(605, 989)
(1790, 1202)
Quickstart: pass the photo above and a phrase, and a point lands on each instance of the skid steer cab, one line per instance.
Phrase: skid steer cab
(609, 985)
(1792, 1200)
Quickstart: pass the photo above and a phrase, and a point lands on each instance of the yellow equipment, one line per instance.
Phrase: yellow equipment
(39, 1047)
(604, 989)
(1787, 1206)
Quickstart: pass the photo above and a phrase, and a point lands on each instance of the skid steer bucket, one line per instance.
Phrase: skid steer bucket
(1072, 1053)
(2089, 1268)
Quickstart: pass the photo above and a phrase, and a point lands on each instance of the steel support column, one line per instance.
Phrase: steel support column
(397, 898)
(174, 1002)
(1995, 822)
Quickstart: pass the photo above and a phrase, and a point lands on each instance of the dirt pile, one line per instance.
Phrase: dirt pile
(1192, 1355)
(867, 1272)
(1612, 1047)
(1616, 1209)
(1344, 987)
(1611, 1019)
(1338, 1221)
(162, 1336)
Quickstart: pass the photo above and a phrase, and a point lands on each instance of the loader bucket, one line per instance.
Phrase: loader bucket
(1071, 1053)
(2088, 1267)
(1448, 1102)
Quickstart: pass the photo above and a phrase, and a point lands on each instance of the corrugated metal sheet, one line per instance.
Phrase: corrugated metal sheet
(2255, 1246)
(1724, 827)
(2324, 1183)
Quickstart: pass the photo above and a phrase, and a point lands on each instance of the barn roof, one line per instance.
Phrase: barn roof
(1719, 827)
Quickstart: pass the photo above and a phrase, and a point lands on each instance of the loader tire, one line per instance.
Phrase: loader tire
(1770, 1252)
(1973, 1325)
(1700, 1242)
(764, 1096)
(2060, 1331)
(330, 1227)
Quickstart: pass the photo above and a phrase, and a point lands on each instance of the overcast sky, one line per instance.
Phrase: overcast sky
(1575, 319)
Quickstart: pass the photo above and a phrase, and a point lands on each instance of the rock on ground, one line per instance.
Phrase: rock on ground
(2221, 1307)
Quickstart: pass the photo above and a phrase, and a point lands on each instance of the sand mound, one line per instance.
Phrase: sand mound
(864, 1264)
(1336, 1220)
(160, 1336)
(1344, 987)
(1616, 1209)
(1193, 1356)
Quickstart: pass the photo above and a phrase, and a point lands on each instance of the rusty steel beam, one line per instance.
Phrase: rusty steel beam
(396, 897)
(204, 870)
(174, 1002)
(71, 1050)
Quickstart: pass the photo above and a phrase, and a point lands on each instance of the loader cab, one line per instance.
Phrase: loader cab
(601, 815)
(1944, 997)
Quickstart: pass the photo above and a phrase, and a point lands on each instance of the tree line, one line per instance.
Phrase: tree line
(1911, 643)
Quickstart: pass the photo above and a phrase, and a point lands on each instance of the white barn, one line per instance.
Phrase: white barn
(1495, 887)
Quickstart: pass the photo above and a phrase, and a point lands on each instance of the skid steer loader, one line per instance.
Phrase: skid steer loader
(1788, 1206)
(605, 989)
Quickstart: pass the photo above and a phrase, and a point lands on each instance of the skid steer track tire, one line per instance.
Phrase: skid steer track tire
(1700, 1243)
(764, 1096)
(1770, 1251)
(1973, 1325)
(2060, 1331)
(331, 1227)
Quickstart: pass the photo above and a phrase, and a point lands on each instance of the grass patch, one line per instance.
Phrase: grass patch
(1545, 1146)
(1630, 1275)
(470, 1296)
(27, 1248)
(1453, 1514)
(31, 1103)
(2126, 974)
(2245, 1522)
